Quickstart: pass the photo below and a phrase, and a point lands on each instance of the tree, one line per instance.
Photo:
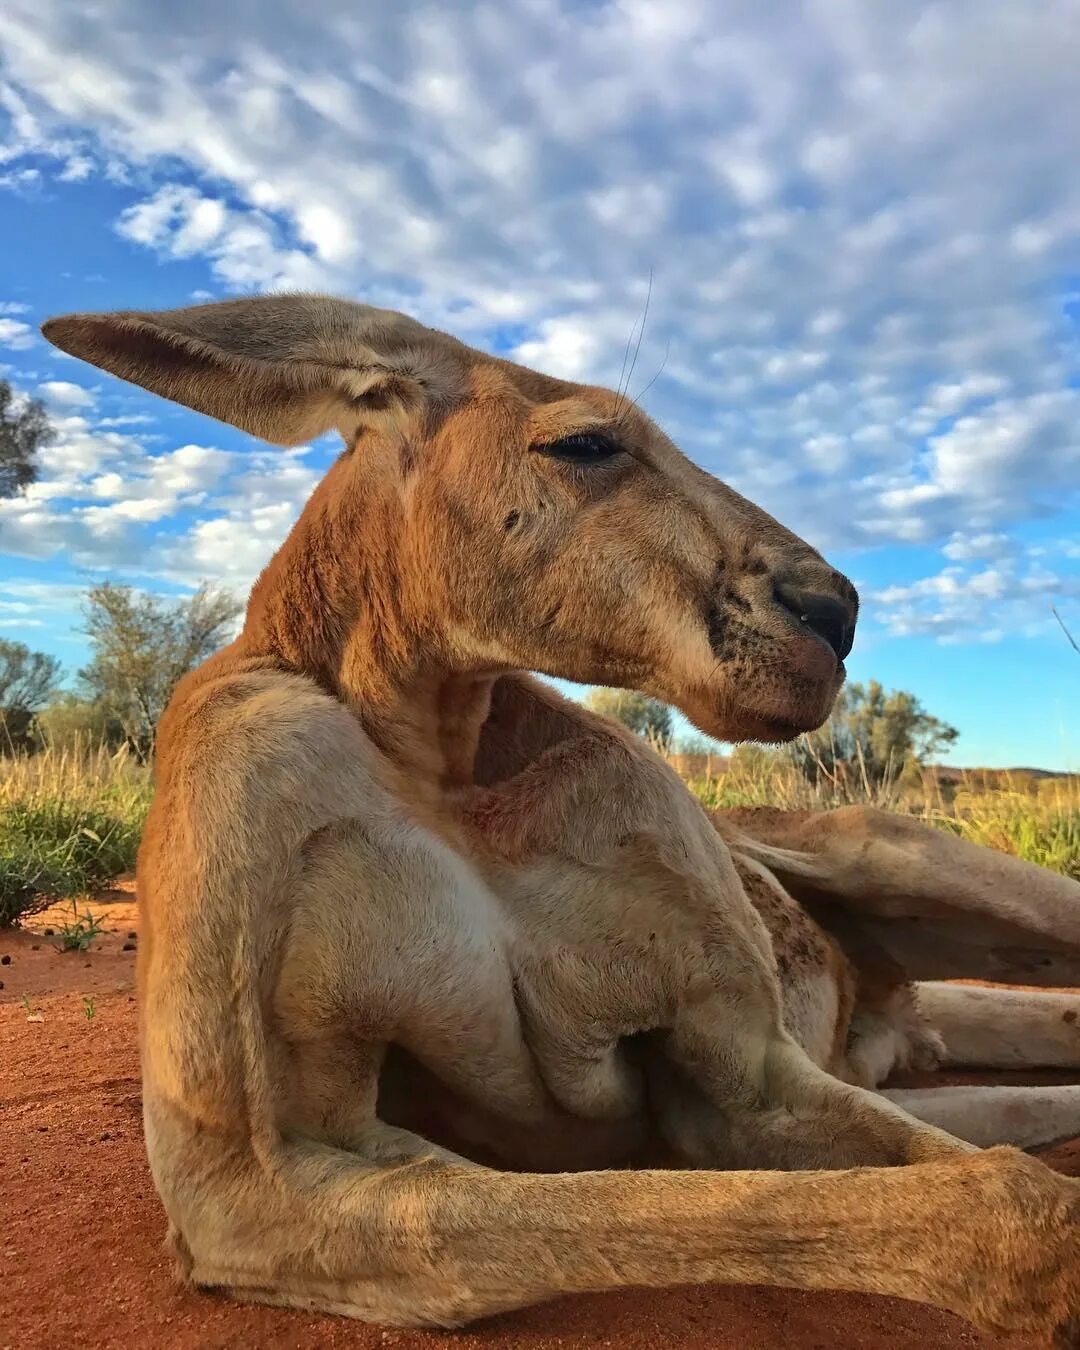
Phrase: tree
(875, 732)
(26, 680)
(647, 716)
(24, 429)
(68, 722)
(143, 645)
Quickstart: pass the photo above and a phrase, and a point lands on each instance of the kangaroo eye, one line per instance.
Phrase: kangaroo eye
(585, 447)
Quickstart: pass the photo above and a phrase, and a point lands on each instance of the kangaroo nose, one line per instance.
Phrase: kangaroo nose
(831, 618)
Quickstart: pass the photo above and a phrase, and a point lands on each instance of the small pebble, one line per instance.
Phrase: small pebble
(132, 937)
(35, 946)
(5, 960)
(49, 932)
(128, 947)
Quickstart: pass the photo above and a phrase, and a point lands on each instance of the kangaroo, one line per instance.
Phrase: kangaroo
(389, 874)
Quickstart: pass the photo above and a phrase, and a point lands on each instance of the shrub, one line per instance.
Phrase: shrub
(647, 716)
(69, 822)
(52, 849)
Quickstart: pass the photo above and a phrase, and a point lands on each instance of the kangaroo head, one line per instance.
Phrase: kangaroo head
(487, 518)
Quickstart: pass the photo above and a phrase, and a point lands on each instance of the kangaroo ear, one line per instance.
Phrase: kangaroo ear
(285, 368)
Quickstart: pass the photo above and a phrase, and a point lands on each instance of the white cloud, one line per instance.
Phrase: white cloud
(243, 247)
(964, 547)
(39, 597)
(62, 394)
(77, 169)
(252, 515)
(105, 503)
(126, 420)
(101, 489)
(1016, 450)
(78, 447)
(40, 605)
(947, 399)
(746, 172)
(565, 346)
(233, 548)
(15, 334)
(20, 180)
(994, 588)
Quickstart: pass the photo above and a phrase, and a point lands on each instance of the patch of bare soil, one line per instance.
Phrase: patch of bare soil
(81, 1259)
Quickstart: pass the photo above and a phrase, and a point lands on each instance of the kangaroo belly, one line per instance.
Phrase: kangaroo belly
(817, 983)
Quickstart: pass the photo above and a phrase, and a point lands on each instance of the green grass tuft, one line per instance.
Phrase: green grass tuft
(69, 823)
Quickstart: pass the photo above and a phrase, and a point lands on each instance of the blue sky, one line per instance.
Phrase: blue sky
(862, 225)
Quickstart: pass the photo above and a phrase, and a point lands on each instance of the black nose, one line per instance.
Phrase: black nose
(828, 616)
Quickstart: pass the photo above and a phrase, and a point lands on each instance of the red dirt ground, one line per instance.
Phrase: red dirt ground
(81, 1261)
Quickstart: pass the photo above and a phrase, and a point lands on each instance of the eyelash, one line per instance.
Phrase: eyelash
(584, 447)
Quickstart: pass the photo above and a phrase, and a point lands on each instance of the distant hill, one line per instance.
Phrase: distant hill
(702, 764)
(952, 773)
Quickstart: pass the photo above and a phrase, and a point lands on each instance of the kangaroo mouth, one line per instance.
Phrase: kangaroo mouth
(766, 686)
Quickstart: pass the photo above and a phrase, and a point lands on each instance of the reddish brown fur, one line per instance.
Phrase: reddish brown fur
(371, 829)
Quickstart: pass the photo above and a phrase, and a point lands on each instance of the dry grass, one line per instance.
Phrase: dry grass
(1037, 819)
(70, 821)
(1042, 827)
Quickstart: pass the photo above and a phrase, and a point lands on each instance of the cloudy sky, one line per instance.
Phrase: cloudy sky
(861, 221)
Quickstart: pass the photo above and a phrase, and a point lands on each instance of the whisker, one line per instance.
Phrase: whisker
(636, 399)
(626, 357)
(621, 402)
(641, 331)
